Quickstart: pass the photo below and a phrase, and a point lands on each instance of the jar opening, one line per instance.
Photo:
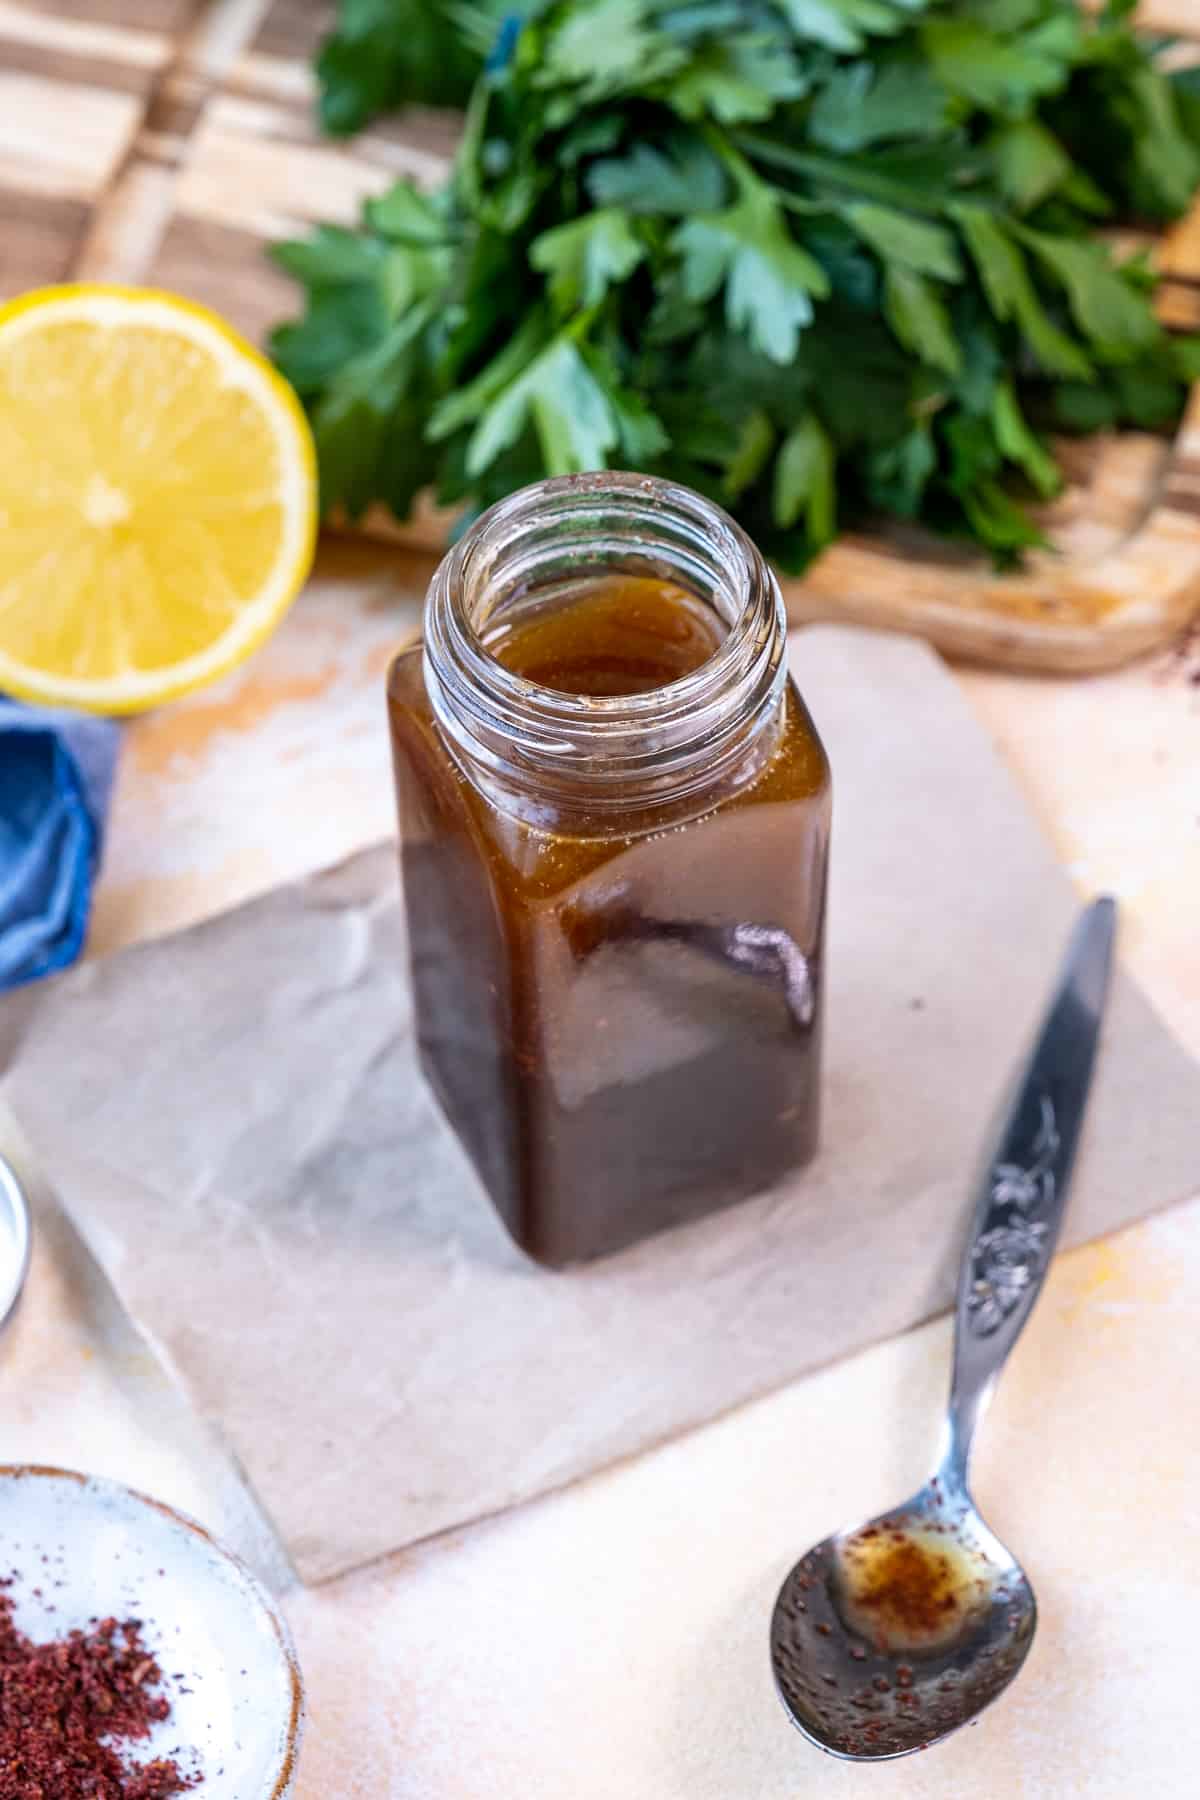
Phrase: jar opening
(604, 635)
(531, 670)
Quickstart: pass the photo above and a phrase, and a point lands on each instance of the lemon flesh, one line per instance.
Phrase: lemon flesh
(158, 500)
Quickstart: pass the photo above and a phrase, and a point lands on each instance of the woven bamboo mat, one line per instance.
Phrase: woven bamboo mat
(168, 141)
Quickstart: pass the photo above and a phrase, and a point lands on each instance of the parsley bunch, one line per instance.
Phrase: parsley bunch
(387, 53)
(820, 259)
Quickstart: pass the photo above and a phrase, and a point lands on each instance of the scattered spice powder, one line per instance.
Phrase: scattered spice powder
(68, 1705)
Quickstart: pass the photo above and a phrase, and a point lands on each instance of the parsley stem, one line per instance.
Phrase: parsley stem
(839, 172)
(743, 175)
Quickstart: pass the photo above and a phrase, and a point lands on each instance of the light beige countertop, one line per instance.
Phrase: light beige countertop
(609, 1642)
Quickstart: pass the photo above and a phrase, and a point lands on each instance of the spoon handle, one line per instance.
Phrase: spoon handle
(1022, 1194)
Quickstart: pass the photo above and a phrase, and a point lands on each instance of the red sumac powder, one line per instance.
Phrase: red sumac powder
(68, 1706)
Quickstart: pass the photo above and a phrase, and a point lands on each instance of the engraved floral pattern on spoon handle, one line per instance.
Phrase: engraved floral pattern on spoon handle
(1022, 1193)
(1011, 1246)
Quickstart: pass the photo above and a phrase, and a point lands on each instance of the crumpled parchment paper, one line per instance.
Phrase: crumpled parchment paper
(234, 1118)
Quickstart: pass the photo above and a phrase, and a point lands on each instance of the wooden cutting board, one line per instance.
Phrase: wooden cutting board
(167, 141)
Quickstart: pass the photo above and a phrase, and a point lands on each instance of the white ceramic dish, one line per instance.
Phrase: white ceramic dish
(232, 1678)
(14, 1240)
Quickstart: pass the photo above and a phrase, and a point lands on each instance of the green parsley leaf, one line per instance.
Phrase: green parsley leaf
(915, 243)
(680, 178)
(739, 81)
(897, 475)
(362, 418)
(470, 401)
(861, 105)
(560, 396)
(1083, 406)
(340, 323)
(770, 282)
(409, 216)
(1182, 356)
(1012, 295)
(1105, 307)
(1168, 162)
(587, 256)
(1030, 163)
(732, 375)
(992, 73)
(755, 442)
(642, 434)
(1148, 393)
(408, 275)
(605, 47)
(386, 53)
(1020, 445)
(331, 257)
(1006, 16)
(997, 521)
(920, 320)
(842, 24)
(804, 471)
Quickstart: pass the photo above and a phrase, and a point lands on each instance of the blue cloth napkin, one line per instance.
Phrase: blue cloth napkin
(56, 772)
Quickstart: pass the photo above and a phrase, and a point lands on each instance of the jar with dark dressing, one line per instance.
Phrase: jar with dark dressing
(614, 822)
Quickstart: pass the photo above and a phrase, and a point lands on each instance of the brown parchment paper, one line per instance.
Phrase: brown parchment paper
(234, 1118)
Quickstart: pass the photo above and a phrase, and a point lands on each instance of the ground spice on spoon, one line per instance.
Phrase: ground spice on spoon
(68, 1706)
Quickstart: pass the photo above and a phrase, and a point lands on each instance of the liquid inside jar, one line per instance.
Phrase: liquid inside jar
(619, 1012)
(615, 636)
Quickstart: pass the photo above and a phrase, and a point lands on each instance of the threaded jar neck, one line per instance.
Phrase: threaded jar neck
(670, 745)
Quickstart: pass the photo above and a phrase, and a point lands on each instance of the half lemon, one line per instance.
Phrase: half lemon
(158, 497)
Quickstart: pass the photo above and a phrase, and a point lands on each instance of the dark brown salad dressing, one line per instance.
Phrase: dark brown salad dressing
(620, 1015)
(619, 636)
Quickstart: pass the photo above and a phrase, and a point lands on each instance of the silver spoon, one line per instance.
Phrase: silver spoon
(891, 1635)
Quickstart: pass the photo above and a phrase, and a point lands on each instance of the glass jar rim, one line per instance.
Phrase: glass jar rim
(676, 736)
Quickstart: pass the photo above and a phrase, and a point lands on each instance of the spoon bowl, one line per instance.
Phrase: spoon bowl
(885, 1636)
(891, 1635)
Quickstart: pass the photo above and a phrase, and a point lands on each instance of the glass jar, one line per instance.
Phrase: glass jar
(614, 827)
